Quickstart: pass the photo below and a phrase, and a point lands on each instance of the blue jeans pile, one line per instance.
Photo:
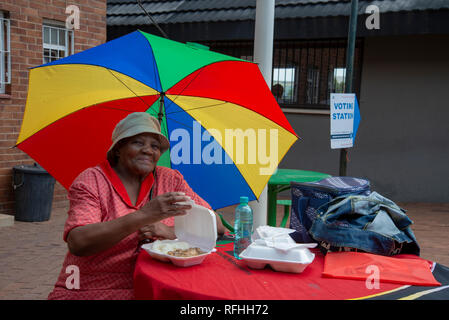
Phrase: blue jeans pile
(368, 223)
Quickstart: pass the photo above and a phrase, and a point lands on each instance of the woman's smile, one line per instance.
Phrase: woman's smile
(145, 161)
(140, 154)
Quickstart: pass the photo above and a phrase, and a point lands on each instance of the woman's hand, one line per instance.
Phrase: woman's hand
(97, 237)
(157, 231)
(165, 206)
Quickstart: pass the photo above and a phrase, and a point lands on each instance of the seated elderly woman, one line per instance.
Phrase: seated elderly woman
(115, 206)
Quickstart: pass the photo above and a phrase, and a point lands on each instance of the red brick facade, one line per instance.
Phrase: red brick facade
(26, 19)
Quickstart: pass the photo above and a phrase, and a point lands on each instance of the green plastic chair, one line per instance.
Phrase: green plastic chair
(225, 223)
(287, 203)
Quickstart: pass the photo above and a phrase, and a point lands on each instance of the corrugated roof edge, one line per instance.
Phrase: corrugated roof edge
(186, 11)
(307, 7)
(110, 19)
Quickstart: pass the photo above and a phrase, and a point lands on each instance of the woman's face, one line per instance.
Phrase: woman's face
(139, 154)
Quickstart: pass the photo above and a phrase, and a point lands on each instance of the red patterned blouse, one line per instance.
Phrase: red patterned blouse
(98, 195)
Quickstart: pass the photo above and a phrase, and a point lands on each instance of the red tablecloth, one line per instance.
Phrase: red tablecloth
(223, 277)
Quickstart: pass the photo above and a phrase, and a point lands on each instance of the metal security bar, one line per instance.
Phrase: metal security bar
(305, 73)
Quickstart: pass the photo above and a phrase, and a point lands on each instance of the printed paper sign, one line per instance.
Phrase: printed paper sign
(345, 119)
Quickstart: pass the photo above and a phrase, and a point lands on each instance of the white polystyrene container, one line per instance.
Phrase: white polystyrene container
(294, 260)
(198, 228)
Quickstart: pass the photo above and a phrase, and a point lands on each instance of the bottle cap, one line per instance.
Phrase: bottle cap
(243, 199)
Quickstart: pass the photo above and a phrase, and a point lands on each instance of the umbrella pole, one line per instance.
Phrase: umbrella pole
(152, 20)
(160, 115)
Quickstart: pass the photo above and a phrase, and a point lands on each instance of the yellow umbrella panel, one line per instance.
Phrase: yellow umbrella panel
(254, 143)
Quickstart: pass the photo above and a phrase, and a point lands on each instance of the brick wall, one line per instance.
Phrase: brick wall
(26, 19)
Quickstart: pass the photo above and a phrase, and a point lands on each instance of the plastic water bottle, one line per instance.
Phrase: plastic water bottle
(243, 226)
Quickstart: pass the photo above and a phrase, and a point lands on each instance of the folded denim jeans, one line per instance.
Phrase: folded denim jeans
(369, 223)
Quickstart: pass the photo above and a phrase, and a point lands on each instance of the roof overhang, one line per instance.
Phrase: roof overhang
(391, 24)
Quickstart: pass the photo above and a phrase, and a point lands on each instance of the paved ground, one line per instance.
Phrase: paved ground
(31, 253)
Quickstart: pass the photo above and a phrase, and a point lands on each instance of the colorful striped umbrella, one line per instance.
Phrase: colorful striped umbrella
(226, 130)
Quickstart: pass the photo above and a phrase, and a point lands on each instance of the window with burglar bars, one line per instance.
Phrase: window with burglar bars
(5, 56)
(305, 73)
(57, 42)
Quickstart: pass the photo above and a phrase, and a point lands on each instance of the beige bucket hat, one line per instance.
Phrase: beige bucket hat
(136, 123)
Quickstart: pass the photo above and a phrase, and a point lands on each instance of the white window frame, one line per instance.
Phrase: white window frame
(286, 76)
(68, 47)
(5, 53)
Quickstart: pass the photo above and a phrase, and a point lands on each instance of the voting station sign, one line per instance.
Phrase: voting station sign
(345, 119)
